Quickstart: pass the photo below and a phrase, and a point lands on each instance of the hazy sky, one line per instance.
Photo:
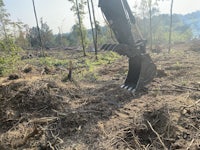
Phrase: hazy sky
(57, 13)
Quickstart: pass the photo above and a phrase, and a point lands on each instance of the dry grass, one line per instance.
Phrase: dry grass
(38, 111)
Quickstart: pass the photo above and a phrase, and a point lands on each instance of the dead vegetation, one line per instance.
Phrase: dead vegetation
(39, 111)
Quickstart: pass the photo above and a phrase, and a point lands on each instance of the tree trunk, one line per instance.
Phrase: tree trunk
(80, 28)
(170, 27)
(69, 77)
(95, 28)
(39, 34)
(150, 23)
(91, 23)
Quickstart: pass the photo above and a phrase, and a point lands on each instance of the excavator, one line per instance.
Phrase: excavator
(120, 19)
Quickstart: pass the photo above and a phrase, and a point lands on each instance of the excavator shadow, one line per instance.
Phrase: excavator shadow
(101, 106)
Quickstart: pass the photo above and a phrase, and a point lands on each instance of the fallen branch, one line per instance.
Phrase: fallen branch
(124, 142)
(165, 148)
(77, 112)
(190, 106)
(194, 104)
(184, 87)
(43, 120)
(190, 144)
(22, 142)
(167, 90)
(57, 139)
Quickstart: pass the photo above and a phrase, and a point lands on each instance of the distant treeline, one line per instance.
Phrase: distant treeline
(185, 27)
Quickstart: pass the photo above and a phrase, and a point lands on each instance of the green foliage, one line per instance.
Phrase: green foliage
(33, 37)
(81, 6)
(78, 28)
(21, 40)
(74, 37)
(46, 35)
(91, 65)
(103, 58)
(8, 48)
(8, 63)
(88, 65)
(47, 61)
(4, 21)
(160, 29)
(105, 35)
(7, 27)
(9, 56)
(8, 45)
(51, 61)
(61, 40)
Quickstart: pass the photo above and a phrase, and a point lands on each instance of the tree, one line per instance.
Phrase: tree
(4, 21)
(74, 36)
(93, 21)
(21, 40)
(45, 34)
(33, 37)
(105, 34)
(148, 9)
(170, 27)
(36, 19)
(143, 15)
(61, 40)
(150, 22)
(78, 9)
(6, 28)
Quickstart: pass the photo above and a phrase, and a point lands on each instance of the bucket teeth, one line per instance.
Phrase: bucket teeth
(126, 87)
(103, 47)
(122, 86)
(121, 49)
(108, 47)
(129, 88)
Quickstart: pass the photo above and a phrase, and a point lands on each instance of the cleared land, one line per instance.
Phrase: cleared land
(41, 111)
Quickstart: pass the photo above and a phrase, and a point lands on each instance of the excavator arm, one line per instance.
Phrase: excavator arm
(121, 20)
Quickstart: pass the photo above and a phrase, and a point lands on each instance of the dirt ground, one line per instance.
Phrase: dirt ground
(40, 112)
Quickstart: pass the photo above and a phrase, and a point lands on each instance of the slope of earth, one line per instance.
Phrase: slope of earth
(41, 112)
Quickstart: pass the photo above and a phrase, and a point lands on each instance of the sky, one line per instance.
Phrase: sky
(57, 13)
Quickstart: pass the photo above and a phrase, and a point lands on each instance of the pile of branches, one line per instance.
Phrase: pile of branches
(29, 114)
(39, 133)
(155, 129)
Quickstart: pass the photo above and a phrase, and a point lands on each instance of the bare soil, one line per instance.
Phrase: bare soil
(38, 111)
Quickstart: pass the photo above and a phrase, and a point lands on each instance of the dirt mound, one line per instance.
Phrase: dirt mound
(156, 130)
(29, 113)
(152, 129)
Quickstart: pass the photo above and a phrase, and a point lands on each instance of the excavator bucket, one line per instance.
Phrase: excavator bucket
(141, 72)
